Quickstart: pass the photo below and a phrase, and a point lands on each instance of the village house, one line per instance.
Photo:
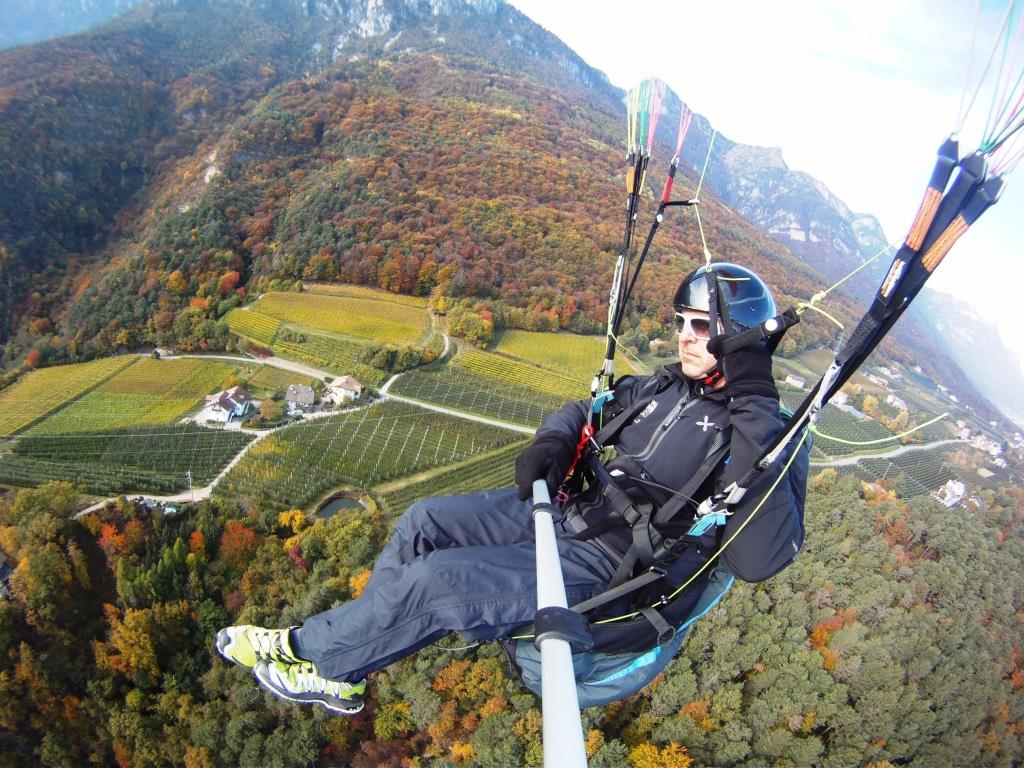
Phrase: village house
(890, 373)
(840, 398)
(342, 390)
(951, 493)
(896, 403)
(879, 380)
(795, 381)
(982, 443)
(224, 406)
(300, 397)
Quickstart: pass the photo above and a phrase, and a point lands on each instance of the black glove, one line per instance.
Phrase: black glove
(747, 370)
(548, 457)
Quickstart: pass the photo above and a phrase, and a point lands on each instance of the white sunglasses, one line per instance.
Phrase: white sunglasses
(699, 326)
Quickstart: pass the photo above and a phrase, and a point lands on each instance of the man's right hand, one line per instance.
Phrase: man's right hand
(548, 457)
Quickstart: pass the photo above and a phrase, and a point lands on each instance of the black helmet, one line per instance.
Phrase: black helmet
(747, 300)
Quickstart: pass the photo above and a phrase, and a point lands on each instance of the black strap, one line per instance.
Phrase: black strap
(610, 431)
(717, 451)
(610, 595)
(665, 630)
(778, 324)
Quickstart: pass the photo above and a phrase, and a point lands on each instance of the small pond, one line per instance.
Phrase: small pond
(335, 505)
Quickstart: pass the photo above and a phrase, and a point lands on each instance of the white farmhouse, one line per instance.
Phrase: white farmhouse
(226, 405)
(795, 381)
(342, 390)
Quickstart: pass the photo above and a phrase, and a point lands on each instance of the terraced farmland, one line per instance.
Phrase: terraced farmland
(329, 353)
(254, 325)
(267, 378)
(41, 392)
(510, 371)
(296, 466)
(495, 470)
(572, 354)
(916, 473)
(146, 393)
(467, 390)
(368, 318)
(365, 292)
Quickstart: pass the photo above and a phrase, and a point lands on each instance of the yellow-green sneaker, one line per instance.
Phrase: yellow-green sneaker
(301, 683)
(246, 645)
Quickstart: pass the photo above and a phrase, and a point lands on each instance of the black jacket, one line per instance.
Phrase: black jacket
(669, 439)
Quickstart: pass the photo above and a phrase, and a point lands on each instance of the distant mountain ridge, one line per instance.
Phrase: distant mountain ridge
(28, 21)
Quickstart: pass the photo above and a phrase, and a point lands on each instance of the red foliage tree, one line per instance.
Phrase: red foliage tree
(237, 544)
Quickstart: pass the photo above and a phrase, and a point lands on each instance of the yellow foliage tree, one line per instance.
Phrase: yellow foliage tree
(292, 519)
(176, 282)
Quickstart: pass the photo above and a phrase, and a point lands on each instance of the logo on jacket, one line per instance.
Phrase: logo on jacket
(651, 408)
(705, 424)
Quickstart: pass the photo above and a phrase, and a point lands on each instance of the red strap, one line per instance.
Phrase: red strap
(586, 434)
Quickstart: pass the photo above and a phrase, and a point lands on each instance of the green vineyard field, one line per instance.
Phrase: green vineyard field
(149, 392)
(367, 318)
(576, 356)
(467, 390)
(171, 450)
(254, 325)
(296, 466)
(514, 372)
(496, 470)
(42, 392)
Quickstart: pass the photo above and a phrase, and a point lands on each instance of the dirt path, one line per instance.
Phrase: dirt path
(847, 461)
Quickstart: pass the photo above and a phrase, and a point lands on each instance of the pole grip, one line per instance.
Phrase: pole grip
(560, 706)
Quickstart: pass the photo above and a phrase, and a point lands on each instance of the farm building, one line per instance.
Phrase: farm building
(300, 397)
(896, 403)
(795, 381)
(226, 405)
(342, 390)
(951, 493)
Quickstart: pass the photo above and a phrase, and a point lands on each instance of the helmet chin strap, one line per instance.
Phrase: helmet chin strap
(717, 311)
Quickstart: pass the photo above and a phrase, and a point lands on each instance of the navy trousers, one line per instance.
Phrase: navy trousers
(453, 563)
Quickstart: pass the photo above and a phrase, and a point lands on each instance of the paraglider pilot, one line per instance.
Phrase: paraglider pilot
(466, 563)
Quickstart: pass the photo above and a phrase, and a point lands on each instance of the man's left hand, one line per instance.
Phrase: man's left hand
(747, 370)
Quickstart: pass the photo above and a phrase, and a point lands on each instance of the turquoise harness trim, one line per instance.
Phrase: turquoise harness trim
(601, 399)
(705, 522)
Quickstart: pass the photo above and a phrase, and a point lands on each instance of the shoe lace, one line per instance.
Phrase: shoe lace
(268, 643)
(305, 676)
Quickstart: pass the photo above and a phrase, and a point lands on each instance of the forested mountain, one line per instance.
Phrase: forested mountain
(190, 153)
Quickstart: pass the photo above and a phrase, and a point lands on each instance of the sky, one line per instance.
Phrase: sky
(858, 94)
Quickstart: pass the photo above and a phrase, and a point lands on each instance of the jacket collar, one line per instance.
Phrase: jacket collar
(695, 387)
